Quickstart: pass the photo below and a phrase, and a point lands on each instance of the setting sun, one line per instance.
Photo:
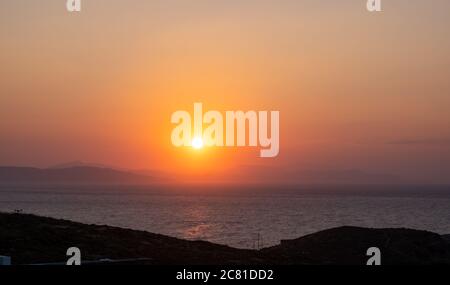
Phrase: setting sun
(197, 143)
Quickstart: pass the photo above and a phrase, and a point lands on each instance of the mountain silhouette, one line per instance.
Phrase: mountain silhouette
(72, 175)
(79, 163)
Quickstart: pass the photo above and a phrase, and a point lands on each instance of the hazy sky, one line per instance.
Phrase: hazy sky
(362, 96)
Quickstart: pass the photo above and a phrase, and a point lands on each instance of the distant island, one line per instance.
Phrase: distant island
(72, 174)
(30, 239)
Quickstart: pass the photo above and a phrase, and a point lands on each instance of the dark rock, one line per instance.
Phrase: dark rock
(32, 239)
(348, 245)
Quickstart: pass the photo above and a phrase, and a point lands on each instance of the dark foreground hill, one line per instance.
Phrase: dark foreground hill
(32, 239)
(347, 245)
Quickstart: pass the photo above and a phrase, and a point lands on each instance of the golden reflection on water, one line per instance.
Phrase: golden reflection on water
(197, 223)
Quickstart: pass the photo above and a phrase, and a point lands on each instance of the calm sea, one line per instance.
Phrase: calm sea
(236, 215)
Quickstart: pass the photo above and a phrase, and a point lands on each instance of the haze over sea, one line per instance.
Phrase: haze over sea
(237, 215)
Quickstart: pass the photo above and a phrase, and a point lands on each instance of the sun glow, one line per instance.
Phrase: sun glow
(197, 143)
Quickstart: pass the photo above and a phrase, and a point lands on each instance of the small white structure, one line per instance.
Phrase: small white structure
(5, 260)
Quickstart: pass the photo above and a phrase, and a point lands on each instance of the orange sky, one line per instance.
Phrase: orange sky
(362, 97)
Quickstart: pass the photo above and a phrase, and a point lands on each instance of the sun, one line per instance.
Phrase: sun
(197, 143)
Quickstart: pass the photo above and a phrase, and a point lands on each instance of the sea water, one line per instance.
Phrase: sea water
(239, 216)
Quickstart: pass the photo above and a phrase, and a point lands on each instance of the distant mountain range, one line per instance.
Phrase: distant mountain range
(73, 175)
(79, 163)
(79, 172)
